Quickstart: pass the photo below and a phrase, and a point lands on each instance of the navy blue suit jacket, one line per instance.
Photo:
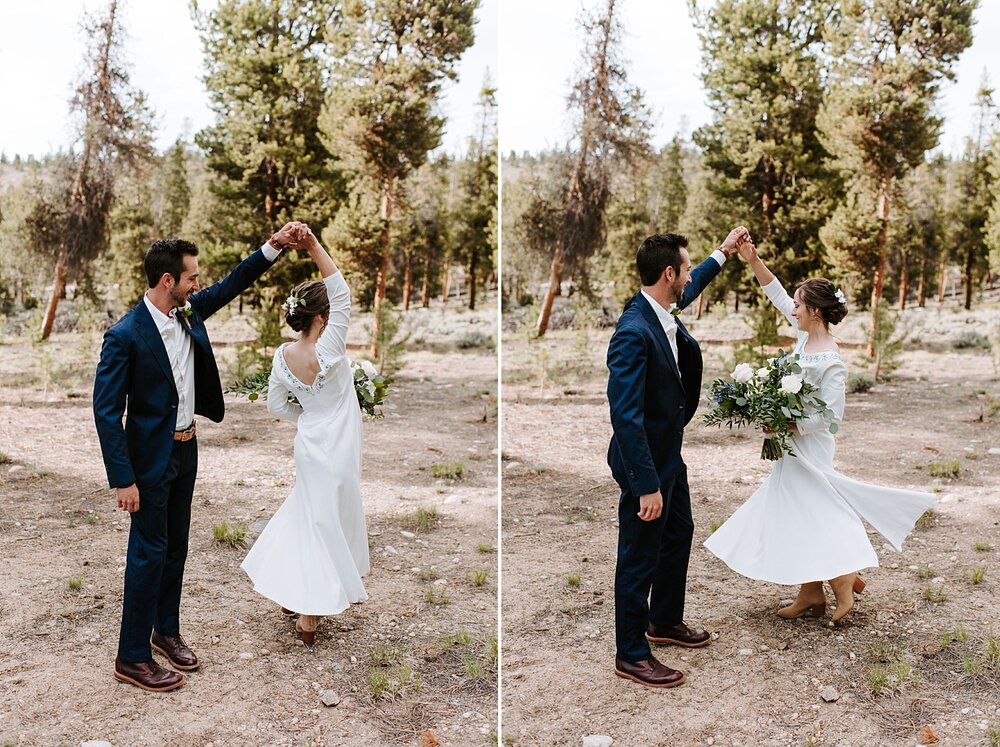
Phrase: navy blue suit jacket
(134, 374)
(652, 396)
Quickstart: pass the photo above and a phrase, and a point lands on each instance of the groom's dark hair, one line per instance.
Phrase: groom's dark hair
(167, 255)
(657, 253)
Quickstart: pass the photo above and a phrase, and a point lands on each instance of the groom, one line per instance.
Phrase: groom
(653, 389)
(157, 363)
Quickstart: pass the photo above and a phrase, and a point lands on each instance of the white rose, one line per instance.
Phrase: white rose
(791, 384)
(742, 373)
(763, 373)
(369, 369)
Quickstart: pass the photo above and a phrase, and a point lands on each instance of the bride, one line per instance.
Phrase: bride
(804, 523)
(312, 554)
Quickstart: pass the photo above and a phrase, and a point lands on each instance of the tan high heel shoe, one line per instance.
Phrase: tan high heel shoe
(306, 626)
(859, 584)
(810, 601)
(843, 589)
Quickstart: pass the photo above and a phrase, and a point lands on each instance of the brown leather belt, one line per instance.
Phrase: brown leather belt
(185, 435)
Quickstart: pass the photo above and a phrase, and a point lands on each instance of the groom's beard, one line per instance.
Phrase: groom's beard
(179, 299)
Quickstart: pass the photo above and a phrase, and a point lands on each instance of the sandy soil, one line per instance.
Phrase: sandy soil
(257, 684)
(759, 682)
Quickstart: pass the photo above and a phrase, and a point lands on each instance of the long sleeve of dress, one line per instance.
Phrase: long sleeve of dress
(781, 300)
(333, 342)
(277, 396)
(832, 389)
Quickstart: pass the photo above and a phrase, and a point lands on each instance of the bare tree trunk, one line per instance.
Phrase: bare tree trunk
(922, 284)
(941, 281)
(446, 285)
(407, 282)
(555, 276)
(58, 288)
(878, 280)
(904, 281)
(472, 277)
(385, 213)
(425, 294)
(969, 266)
(701, 306)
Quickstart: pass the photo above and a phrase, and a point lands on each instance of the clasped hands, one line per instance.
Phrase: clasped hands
(294, 235)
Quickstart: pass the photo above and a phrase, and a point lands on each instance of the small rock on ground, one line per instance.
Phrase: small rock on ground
(829, 694)
(597, 740)
(329, 698)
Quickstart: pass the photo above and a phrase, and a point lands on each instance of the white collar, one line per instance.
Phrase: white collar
(164, 322)
(667, 320)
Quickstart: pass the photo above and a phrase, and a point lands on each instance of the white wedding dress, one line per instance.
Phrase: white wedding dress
(312, 554)
(804, 523)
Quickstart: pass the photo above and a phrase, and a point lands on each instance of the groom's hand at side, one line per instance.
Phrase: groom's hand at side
(650, 506)
(128, 498)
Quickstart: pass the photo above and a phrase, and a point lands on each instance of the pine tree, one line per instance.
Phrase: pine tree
(389, 60)
(762, 70)
(115, 133)
(877, 117)
(611, 126)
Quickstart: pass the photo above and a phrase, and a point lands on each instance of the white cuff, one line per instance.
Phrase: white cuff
(270, 252)
(719, 256)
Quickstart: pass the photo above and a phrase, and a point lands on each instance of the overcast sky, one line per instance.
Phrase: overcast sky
(41, 51)
(540, 51)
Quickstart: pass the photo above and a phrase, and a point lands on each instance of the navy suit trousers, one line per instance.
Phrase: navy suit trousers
(157, 549)
(651, 574)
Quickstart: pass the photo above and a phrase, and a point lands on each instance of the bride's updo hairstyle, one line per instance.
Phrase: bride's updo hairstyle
(306, 301)
(825, 297)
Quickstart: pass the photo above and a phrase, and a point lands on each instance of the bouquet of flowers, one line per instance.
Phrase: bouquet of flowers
(771, 397)
(369, 385)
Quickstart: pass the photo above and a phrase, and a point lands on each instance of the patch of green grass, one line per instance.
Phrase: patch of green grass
(878, 679)
(386, 655)
(229, 534)
(437, 598)
(885, 652)
(982, 546)
(473, 667)
(713, 527)
(991, 651)
(574, 579)
(74, 583)
(91, 518)
(423, 519)
(993, 735)
(976, 576)
(4, 459)
(971, 665)
(461, 638)
(493, 653)
(447, 470)
(926, 519)
(478, 578)
(428, 574)
(935, 594)
(891, 671)
(944, 469)
(389, 683)
(950, 636)
(926, 571)
(485, 547)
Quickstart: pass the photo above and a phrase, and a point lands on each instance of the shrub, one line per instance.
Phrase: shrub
(970, 339)
(859, 382)
(475, 339)
(232, 535)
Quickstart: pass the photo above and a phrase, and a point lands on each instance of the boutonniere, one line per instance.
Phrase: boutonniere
(674, 311)
(183, 313)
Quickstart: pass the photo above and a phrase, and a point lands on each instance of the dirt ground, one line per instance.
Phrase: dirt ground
(922, 633)
(419, 655)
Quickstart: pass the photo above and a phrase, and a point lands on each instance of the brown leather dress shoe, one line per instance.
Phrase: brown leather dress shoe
(176, 651)
(148, 675)
(649, 673)
(678, 635)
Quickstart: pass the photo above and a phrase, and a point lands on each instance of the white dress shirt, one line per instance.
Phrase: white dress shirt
(177, 341)
(667, 320)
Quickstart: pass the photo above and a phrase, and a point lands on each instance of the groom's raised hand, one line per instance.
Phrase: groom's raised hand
(650, 506)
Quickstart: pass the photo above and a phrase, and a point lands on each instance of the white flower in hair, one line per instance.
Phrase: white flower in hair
(291, 303)
(841, 298)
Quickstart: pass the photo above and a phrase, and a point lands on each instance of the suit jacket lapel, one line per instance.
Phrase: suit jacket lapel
(150, 335)
(658, 334)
